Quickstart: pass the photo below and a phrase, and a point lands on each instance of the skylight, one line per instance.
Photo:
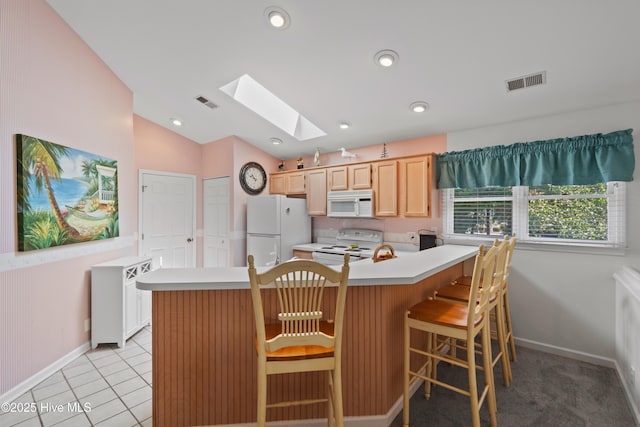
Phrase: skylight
(261, 101)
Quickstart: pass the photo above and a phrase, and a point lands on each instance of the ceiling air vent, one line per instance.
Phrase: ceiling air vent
(527, 81)
(206, 102)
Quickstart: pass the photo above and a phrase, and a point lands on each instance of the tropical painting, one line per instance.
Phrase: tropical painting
(65, 195)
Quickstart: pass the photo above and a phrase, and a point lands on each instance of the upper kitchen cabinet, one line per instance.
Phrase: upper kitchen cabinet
(360, 176)
(317, 192)
(287, 182)
(277, 184)
(295, 182)
(349, 177)
(401, 186)
(338, 178)
(415, 186)
(385, 187)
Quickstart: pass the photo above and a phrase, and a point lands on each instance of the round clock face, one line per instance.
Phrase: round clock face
(253, 178)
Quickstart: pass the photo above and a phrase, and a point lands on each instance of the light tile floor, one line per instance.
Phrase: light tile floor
(108, 386)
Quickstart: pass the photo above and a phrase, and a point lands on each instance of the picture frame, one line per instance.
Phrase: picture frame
(63, 195)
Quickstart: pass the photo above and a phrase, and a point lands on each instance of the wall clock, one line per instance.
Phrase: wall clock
(253, 178)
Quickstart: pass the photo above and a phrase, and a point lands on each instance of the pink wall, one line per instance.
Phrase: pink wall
(159, 149)
(54, 87)
(217, 158)
(226, 157)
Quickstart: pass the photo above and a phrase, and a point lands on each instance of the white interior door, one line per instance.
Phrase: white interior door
(216, 211)
(167, 212)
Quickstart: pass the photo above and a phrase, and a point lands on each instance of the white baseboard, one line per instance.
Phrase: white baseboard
(565, 352)
(45, 373)
(628, 394)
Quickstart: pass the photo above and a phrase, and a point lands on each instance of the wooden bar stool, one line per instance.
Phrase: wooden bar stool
(448, 320)
(459, 293)
(301, 340)
(454, 293)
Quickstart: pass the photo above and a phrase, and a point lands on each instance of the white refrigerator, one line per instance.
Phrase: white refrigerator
(275, 224)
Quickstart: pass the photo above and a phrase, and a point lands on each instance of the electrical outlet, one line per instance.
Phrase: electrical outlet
(412, 236)
(87, 325)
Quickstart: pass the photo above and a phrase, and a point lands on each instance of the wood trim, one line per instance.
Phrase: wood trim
(204, 359)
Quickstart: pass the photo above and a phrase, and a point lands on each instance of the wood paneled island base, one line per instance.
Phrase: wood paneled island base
(204, 359)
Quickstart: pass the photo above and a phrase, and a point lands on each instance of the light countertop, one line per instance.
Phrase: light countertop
(406, 269)
(310, 247)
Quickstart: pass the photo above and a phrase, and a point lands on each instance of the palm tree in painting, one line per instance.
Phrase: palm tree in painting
(41, 159)
(89, 168)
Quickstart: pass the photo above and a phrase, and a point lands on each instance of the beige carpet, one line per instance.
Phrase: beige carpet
(547, 390)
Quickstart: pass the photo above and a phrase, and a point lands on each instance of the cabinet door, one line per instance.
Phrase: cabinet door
(130, 308)
(145, 307)
(385, 188)
(415, 187)
(338, 178)
(277, 184)
(295, 183)
(317, 192)
(360, 176)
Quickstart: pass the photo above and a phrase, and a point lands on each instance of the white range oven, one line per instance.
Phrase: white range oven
(359, 243)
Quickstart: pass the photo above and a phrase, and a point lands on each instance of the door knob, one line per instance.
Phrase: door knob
(189, 240)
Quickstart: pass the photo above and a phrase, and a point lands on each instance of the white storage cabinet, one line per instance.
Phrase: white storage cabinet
(118, 308)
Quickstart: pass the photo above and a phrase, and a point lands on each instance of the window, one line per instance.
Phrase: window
(590, 215)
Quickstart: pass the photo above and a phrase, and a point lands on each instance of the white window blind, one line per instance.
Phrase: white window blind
(589, 215)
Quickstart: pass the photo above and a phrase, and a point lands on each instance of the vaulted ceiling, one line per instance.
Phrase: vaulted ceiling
(454, 55)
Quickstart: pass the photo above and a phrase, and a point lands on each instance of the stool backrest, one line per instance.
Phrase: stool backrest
(511, 244)
(300, 288)
(484, 273)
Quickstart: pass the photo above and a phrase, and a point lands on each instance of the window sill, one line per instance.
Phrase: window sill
(541, 246)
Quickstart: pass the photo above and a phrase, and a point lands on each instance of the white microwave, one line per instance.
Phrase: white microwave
(350, 203)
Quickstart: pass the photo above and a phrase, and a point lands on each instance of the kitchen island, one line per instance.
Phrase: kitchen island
(204, 358)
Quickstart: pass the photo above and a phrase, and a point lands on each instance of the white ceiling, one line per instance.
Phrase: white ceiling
(455, 55)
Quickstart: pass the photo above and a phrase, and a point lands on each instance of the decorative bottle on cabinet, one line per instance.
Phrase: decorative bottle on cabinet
(316, 158)
(118, 308)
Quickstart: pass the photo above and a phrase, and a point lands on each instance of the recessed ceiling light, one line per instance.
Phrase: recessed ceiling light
(419, 107)
(176, 122)
(344, 125)
(277, 17)
(276, 141)
(386, 58)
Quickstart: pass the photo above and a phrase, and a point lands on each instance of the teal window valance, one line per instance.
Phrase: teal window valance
(580, 160)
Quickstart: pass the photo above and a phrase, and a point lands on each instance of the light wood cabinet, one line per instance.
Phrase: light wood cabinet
(385, 188)
(338, 178)
(302, 254)
(295, 182)
(287, 182)
(415, 186)
(118, 308)
(277, 184)
(401, 186)
(351, 177)
(317, 192)
(360, 176)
